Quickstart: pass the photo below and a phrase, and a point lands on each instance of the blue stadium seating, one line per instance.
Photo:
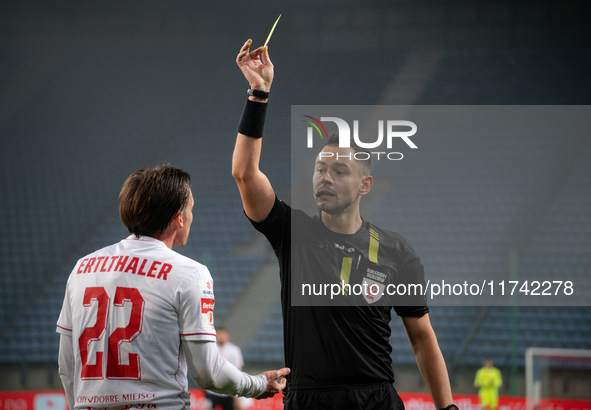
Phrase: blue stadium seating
(63, 179)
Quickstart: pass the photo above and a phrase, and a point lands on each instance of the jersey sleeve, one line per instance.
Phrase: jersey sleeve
(213, 372)
(276, 226)
(413, 273)
(64, 322)
(195, 307)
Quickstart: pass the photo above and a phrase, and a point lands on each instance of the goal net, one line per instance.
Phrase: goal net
(556, 374)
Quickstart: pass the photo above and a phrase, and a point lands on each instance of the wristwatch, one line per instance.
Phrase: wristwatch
(258, 93)
(451, 407)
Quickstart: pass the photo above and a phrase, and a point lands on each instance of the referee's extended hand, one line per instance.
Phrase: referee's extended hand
(273, 386)
(258, 71)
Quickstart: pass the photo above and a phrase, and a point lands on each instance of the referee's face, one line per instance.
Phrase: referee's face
(337, 181)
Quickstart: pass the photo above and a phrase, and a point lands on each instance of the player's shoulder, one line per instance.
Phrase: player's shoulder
(184, 266)
(191, 265)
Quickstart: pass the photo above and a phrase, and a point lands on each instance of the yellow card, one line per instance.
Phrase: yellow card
(268, 38)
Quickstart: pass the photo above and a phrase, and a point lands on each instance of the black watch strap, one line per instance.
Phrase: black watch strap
(258, 93)
(451, 407)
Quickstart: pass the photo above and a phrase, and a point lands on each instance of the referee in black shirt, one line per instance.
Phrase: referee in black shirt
(339, 355)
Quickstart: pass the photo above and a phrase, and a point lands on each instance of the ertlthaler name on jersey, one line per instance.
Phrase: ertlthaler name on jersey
(122, 263)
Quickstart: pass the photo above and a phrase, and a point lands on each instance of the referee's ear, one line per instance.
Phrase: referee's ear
(366, 184)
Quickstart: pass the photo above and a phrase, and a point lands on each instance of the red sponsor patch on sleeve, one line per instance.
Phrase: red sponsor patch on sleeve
(207, 313)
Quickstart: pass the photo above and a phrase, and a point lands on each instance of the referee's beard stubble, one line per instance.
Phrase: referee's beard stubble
(324, 194)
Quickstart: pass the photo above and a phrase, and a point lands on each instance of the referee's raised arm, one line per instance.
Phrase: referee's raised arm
(256, 191)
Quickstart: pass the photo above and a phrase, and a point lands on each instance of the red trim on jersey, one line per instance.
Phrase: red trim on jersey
(61, 327)
(197, 334)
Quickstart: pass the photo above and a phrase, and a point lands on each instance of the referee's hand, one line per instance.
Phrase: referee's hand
(256, 66)
(273, 386)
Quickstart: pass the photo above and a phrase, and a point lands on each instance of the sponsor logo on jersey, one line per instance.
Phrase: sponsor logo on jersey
(206, 287)
(342, 247)
(206, 305)
(207, 312)
(375, 290)
(375, 275)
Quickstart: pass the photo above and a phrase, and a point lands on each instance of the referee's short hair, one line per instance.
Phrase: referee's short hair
(151, 197)
(365, 164)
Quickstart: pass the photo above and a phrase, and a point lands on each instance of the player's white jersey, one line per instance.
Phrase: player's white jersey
(126, 307)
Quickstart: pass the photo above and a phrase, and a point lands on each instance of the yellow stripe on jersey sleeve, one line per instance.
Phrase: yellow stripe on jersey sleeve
(374, 245)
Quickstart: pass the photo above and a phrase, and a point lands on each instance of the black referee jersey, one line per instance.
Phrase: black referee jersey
(328, 346)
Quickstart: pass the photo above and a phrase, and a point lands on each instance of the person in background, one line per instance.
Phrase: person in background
(488, 380)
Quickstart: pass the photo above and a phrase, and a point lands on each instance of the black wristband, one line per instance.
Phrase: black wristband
(451, 407)
(258, 93)
(252, 121)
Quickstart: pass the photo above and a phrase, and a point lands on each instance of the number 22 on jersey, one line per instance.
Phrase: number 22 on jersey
(127, 334)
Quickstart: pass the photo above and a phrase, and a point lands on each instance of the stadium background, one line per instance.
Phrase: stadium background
(91, 91)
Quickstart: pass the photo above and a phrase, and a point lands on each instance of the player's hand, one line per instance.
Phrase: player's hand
(256, 66)
(273, 387)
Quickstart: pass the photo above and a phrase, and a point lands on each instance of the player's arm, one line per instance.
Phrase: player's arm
(66, 367)
(256, 191)
(429, 358)
(212, 372)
